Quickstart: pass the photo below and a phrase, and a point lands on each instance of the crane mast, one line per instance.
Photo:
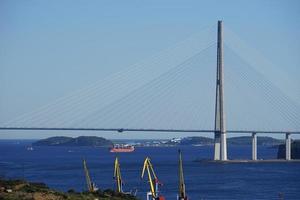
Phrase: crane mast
(181, 194)
(152, 178)
(118, 176)
(90, 185)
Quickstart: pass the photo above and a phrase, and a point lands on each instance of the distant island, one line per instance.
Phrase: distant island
(185, 141)
(78, 141)
(261, 140)
(243, 140)
(195, 140)
(295, 150)
(200, 141)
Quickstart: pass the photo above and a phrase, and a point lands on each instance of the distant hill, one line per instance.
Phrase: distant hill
(78, 141)
(190, 141)
(247, 140)
(243, 140)
(295, 150)
(196, 140)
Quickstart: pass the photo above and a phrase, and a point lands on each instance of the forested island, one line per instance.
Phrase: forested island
(78, 141)
(192, 141)
(243, 140)
(261, 140)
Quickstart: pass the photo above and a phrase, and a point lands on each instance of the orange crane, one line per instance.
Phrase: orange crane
(153, 181)
(181, 193)
(90, 185)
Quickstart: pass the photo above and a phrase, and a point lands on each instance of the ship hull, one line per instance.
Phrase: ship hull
(122, 150)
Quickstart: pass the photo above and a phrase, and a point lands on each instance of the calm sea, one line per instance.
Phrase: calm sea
(61, 168)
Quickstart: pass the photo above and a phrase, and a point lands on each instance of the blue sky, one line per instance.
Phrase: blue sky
(51, 48)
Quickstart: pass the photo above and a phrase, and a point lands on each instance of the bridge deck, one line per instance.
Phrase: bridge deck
(143, 130)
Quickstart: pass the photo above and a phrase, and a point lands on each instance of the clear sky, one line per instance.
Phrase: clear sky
(51, 48)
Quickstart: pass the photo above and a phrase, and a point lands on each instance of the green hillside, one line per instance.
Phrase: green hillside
(78, 141)
(22, 190)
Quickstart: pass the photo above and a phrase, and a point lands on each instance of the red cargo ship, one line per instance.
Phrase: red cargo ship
(122, 149)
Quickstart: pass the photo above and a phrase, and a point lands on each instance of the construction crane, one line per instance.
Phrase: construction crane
(90, 185)
(181, 192)
(153, 180)
(117, 176)
(119, 180)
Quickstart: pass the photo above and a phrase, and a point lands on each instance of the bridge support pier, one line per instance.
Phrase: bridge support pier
(217, 146)
(288, 146)
(223, 146)
(220, 129)
(254, 146)
(220, 146)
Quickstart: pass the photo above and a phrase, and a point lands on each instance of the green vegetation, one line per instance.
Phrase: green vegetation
(22, 190)
(69, 141)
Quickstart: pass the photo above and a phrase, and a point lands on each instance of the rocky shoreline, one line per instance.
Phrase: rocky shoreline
(23, 190)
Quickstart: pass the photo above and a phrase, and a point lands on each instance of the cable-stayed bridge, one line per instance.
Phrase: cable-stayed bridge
(199, 85)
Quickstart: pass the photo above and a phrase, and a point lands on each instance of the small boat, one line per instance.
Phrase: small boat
(30, 149)
(122, 149)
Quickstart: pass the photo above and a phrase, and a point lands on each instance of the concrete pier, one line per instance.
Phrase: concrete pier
(223, 146)
(217, 149)
(254, 146)
(288, 146)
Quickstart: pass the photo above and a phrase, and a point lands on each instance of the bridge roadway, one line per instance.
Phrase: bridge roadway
(288, 143)
(145, 130)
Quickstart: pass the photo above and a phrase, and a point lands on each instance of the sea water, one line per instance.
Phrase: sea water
(61, 168)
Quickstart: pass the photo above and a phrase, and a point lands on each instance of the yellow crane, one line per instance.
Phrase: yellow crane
(118, 176)
(181, 193)
(119, 180)
(153, 180)
(90, 185)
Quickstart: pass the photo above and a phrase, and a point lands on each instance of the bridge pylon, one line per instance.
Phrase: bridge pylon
(220, 147)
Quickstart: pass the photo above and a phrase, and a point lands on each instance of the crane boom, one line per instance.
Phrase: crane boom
(152, 178)
(182, 194)
(118, 176)
(147, 166)
(87, 177)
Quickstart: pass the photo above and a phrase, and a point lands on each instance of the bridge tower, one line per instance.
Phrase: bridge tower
(220, 129)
